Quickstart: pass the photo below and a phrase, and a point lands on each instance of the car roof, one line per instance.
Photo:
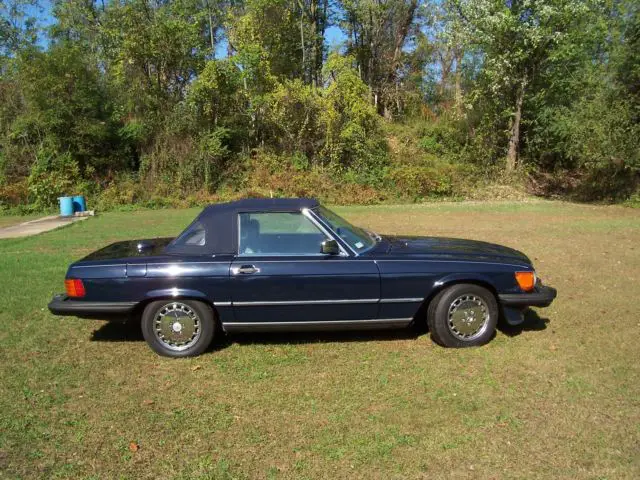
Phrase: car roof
(220, 223)
(262, 205)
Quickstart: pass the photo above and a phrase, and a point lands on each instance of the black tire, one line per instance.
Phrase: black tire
(196, 343)
(443, 332)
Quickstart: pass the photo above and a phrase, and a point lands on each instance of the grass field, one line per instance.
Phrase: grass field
(558, 398)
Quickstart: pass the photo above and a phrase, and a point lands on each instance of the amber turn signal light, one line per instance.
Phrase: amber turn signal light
(74, 287)
(526, 280)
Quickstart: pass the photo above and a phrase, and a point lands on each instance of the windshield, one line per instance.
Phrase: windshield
(357, 238)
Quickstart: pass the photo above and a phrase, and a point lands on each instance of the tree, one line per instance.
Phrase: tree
(270, 27)
(18, 28)
(378, 31)
(516, 39)
(314, 16)
(448, 52)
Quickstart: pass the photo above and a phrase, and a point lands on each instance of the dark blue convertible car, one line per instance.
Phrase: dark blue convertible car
(292, 264)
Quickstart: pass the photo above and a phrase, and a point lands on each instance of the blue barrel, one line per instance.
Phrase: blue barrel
(66, 206)
(79, 205)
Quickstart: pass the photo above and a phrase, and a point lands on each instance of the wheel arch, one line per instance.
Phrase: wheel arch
(446, 282)
(136, 313)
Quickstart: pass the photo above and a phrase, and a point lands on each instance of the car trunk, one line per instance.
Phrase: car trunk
(130, 248)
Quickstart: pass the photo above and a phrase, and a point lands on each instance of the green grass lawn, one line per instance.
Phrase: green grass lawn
(558, 398)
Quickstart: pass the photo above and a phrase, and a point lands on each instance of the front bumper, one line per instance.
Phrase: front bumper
(65, 306)
(542, 296)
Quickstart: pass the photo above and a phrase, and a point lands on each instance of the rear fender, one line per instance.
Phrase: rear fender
(223, 310)
(168, 293)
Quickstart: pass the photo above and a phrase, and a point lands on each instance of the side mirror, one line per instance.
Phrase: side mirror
(330, 247)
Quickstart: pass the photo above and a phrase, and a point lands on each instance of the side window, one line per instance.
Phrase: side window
(193, 236)
(278, 233)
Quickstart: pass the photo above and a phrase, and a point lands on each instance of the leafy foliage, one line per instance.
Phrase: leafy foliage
(186, 101)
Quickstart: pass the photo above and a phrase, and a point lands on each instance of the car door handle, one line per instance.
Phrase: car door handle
(244, 270)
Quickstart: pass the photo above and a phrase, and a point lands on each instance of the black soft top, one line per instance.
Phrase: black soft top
(220, 223)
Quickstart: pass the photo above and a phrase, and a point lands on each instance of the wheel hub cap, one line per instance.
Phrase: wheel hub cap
(468, 317)
(177, 326)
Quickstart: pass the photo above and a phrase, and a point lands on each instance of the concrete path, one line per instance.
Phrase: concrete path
(37, 226)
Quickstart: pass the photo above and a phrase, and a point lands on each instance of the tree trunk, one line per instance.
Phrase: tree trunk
(302, 44)
(400, 37)
(211, 35)
(458, 88)
(445, 68)
(318, 25)
(514, 137)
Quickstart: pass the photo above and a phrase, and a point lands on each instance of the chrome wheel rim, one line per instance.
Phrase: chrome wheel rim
(177, 326)
(468, 317)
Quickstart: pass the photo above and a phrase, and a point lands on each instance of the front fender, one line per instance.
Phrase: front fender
(471, 277)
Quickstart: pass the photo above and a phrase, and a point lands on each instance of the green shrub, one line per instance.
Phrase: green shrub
(294, 118)
(52, 176)
(122, 191)
(15, 195)
(417, 182)
(353, 130)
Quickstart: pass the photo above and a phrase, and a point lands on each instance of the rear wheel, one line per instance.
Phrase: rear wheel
(463, 315)
(178, 328)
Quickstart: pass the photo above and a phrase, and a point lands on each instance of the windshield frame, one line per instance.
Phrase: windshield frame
(358, 232)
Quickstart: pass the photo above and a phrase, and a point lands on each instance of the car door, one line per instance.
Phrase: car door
(280, 275)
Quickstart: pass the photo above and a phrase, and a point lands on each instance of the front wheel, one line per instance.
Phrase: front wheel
(178, 328)
(463, 315)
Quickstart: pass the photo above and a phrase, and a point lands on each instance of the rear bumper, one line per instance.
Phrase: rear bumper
(542, 296)
(63, 305)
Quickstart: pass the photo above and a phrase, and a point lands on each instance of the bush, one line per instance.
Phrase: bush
(186, 163)
(265, 174)
(52, 176)
(122, 191)
(293, 115)
(353, 130)
(420, 182)
(15, 194)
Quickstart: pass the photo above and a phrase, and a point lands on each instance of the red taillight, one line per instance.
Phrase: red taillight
(74, 287)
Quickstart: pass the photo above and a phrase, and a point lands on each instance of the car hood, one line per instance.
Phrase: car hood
(451, 248)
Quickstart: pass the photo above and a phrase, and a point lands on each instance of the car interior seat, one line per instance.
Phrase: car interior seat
(250, 235)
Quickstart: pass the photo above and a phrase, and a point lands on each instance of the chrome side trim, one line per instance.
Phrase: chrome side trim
(401, 300)
(265, 255)
(376, 323)
(323, 322)
(99, 266)
(180, 263)
(323, 302)
(325, 258)
(154, 264)
(428, 260)
(222, 304)
(306, 302)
